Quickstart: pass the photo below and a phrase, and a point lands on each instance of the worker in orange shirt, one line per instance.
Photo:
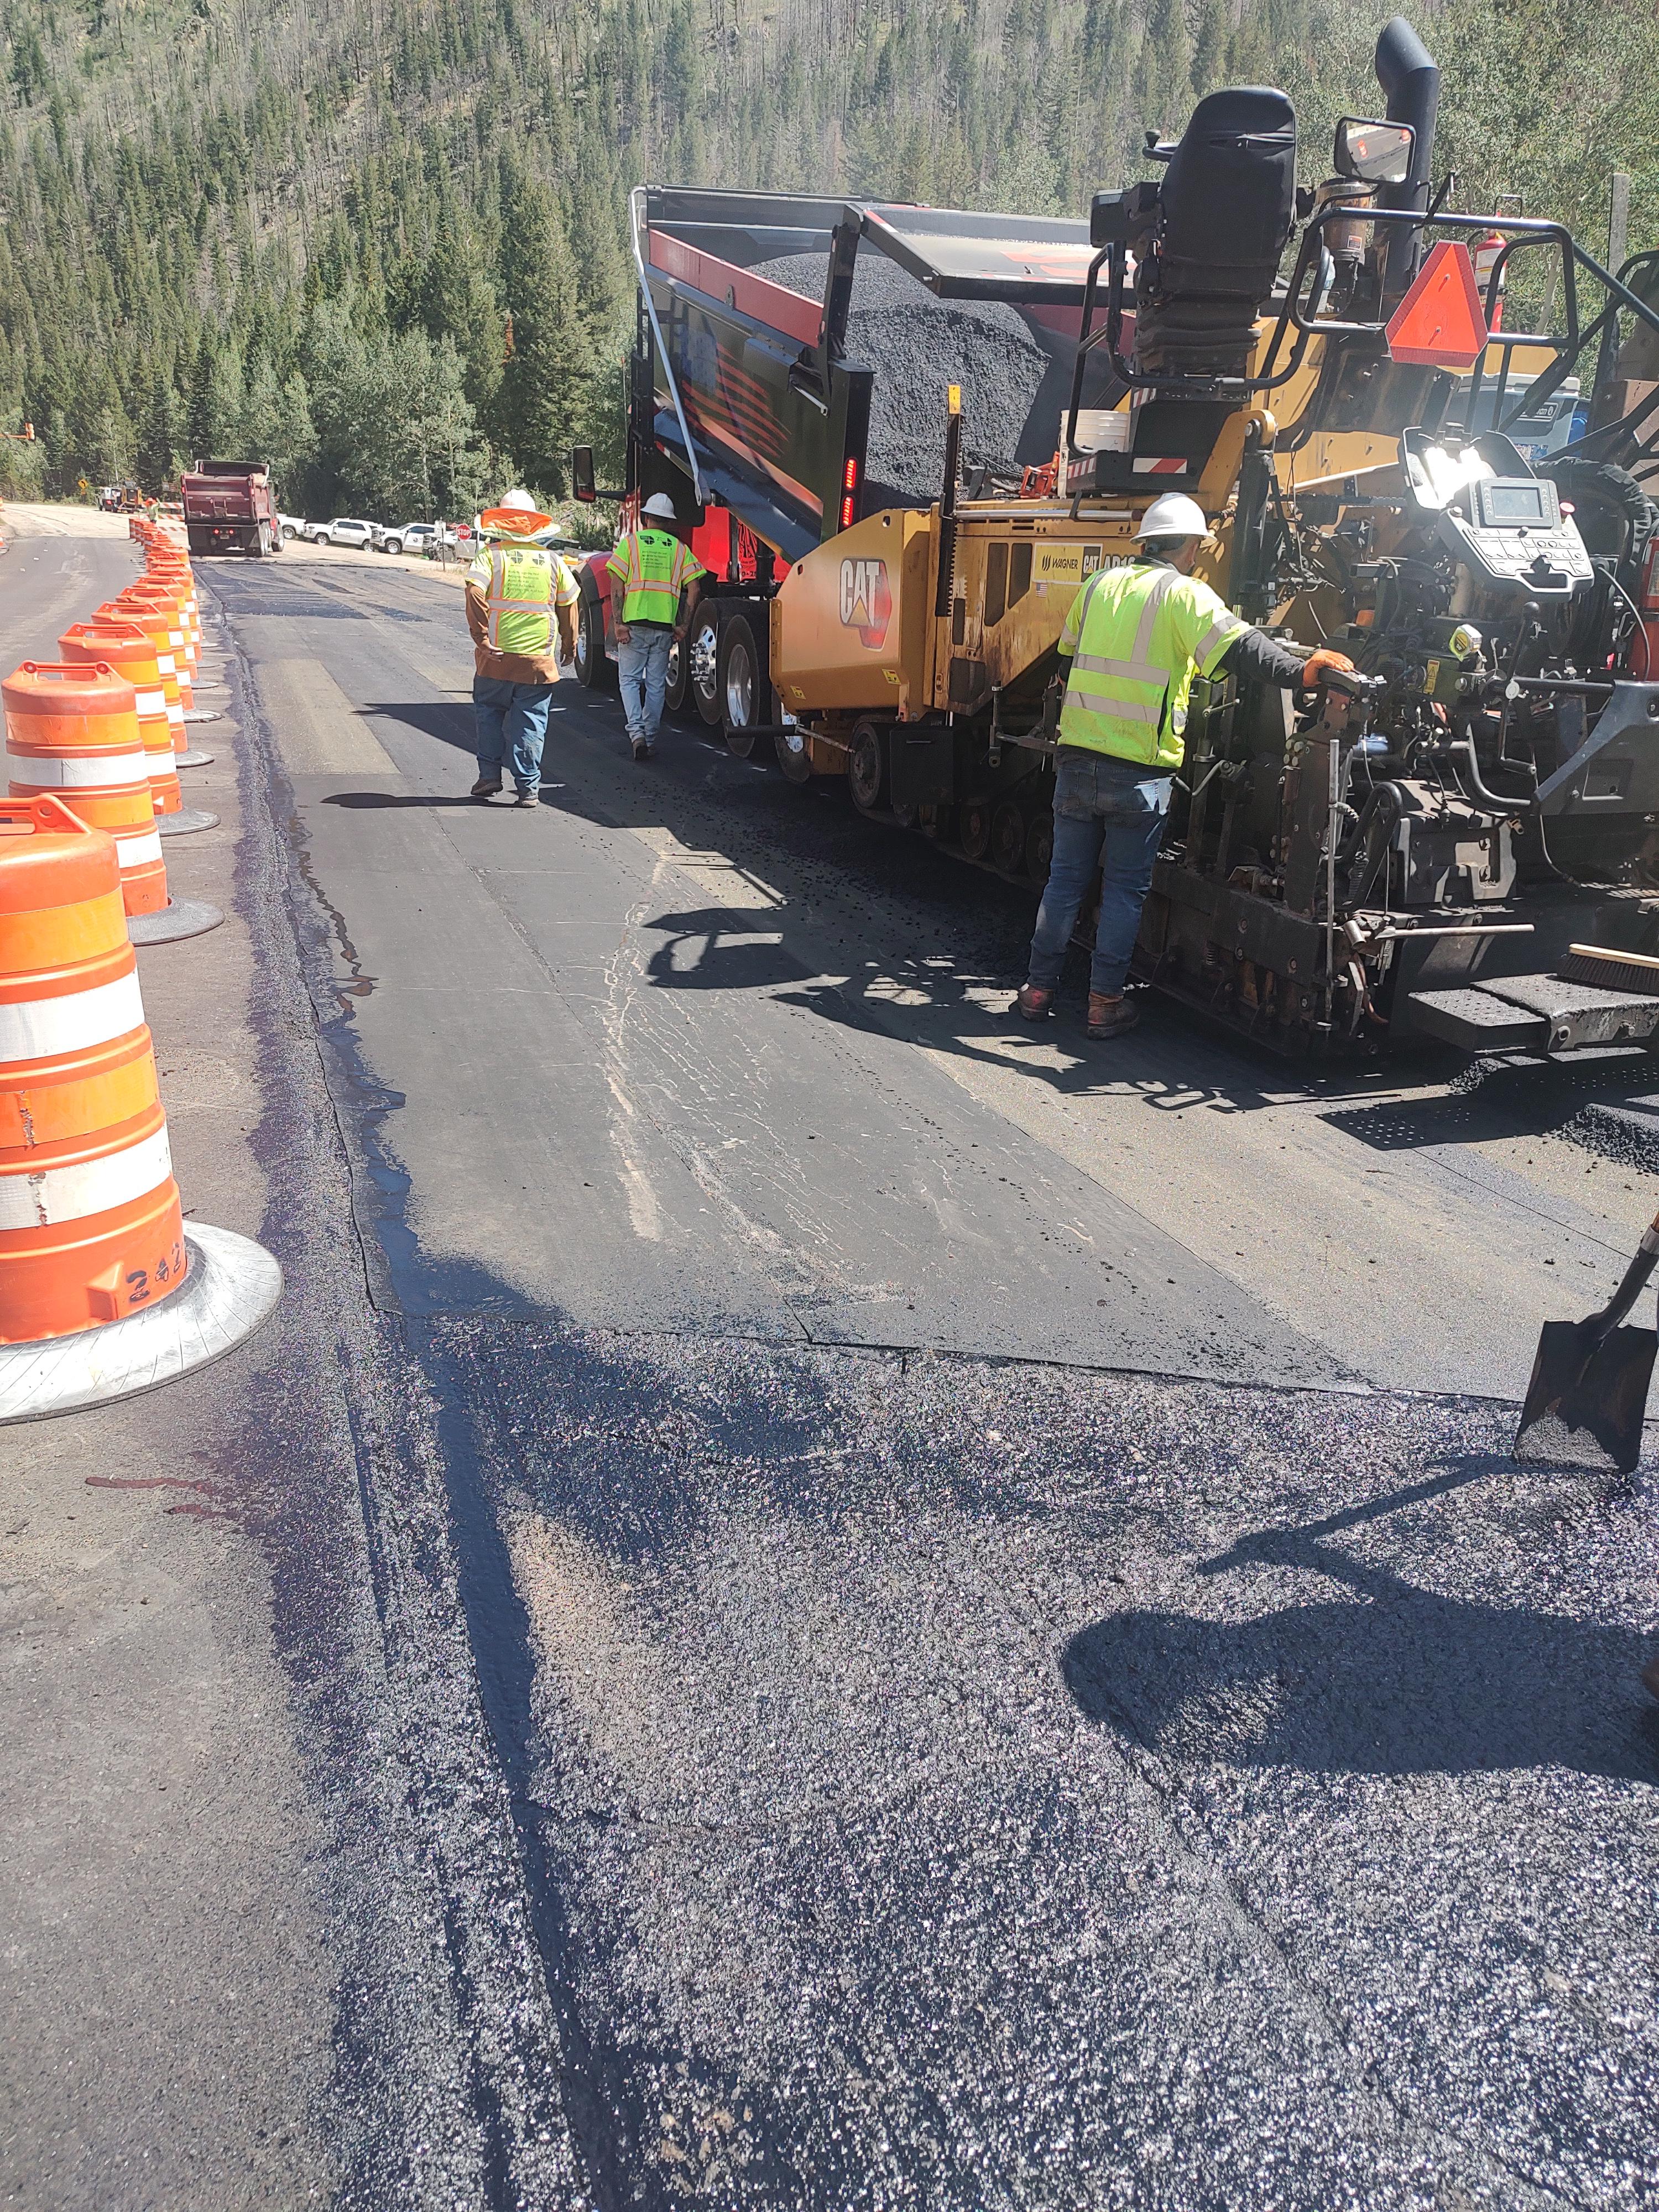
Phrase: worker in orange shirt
(521, 601)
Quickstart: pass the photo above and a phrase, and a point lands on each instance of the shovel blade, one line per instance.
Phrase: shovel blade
(1586, 1403)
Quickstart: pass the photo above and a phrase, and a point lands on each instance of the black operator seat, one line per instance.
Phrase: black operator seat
(1225, 212)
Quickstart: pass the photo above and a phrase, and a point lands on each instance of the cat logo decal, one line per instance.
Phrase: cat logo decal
(866, 604)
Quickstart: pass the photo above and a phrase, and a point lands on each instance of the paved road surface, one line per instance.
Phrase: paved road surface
(814, 1600)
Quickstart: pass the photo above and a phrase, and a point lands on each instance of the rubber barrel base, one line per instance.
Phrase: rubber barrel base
(230, 1291)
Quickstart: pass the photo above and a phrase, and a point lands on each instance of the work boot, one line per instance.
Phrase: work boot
(1109, 1018)
(483, 788)
(1034, 1003)
(528, 799)
(642, 749)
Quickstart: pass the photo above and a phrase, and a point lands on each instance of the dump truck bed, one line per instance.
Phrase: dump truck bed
(813, 340)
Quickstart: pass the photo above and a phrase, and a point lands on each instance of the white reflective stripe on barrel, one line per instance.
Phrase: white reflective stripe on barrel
(167, 664)
(88, 772)
(41, 1029)
(133, 852)
(34, 1200)
(152, 702)
(175, 710)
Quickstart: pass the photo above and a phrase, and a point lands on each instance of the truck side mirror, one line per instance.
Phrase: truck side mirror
(1373, 153)
(581, 474)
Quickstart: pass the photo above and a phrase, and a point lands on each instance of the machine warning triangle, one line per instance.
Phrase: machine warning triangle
(1439, 322)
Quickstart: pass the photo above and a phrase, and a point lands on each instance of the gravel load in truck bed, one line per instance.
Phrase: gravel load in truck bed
(918, 345)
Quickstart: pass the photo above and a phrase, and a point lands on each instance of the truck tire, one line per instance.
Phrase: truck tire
(199, 541)
(702, 652)
(595, 671)
(674, 689)
(288, 534)
(866, 767)
(742, 685)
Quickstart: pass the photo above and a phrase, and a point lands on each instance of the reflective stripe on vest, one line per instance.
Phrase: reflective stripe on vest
(649, 593)
(1133, 703)
(519, 600)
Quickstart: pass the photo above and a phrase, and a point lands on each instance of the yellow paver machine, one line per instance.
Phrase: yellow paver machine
(906, 438)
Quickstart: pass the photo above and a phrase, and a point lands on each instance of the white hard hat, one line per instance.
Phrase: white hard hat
(1175, 515)
(518, 501)
(660, 504)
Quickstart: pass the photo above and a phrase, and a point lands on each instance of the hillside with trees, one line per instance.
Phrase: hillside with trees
(384, 244)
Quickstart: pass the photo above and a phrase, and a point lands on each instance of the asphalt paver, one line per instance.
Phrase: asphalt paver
(821, 1601)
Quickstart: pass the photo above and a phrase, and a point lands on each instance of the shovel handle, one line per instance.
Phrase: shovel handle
(1635, 1281)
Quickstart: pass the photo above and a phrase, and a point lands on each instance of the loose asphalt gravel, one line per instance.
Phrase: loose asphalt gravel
(919, 345)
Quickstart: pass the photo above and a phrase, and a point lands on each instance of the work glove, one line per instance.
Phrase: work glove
(1323, 663)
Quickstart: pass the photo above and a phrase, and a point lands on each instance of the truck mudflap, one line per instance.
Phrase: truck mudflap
(1536, 1013)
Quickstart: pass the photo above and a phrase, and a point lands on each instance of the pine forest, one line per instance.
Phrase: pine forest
(306, 233)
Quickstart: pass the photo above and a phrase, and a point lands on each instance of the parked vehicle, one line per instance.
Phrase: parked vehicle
(228, 509)
(291, 527)
(417, 538)
(345, 530)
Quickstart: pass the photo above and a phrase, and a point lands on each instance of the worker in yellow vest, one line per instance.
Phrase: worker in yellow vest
(650, 569)
(1136, 636)
(521, 601)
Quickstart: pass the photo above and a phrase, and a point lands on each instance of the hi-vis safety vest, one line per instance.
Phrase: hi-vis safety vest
(1137, 636)
(519, 598)
(651, 565)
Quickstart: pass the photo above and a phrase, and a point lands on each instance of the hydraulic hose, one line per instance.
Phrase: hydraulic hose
(1462, 751)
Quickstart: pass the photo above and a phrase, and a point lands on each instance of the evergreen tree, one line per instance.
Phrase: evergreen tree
(200, 424)
(544, 386)
(160, 434)
(171, 266)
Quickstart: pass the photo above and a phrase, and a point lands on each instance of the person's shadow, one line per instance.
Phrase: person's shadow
(1394, 1679)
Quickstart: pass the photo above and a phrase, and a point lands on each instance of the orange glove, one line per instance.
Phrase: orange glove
(1326, 662)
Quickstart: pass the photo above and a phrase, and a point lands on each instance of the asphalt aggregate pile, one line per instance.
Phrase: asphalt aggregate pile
(973, 1785)
(919, 345)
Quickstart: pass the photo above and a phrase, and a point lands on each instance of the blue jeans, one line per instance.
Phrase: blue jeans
(512, 720)
(1107, 812)
(642, 663)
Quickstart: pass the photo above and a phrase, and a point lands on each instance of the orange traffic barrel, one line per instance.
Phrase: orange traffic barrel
(168, 589)
(91, 1229)
(177, 578)
(157, 612)
(182, 585)
(125, 648)
(180, 590)
(72, 731)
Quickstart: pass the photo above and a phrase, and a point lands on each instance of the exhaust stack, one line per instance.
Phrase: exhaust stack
(1411, 81)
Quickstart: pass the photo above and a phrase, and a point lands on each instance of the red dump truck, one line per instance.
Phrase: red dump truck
(229, 508)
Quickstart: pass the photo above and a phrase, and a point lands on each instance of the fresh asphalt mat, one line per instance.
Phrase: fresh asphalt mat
(882, 1612)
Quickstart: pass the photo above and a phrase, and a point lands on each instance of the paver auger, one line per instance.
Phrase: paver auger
(1421, 854)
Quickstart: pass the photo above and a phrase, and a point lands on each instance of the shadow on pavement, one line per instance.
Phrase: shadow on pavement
(1393, 1679)
(449, 720)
